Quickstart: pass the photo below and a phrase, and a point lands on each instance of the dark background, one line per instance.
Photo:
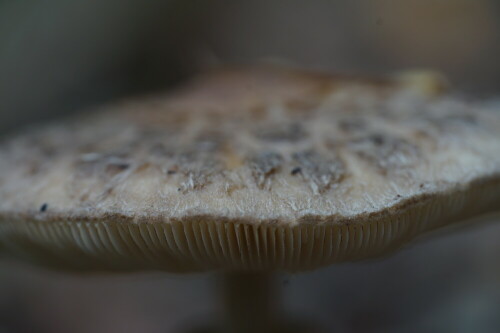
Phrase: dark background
(59, 56)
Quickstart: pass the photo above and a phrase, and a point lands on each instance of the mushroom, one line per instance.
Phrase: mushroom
(248, 171)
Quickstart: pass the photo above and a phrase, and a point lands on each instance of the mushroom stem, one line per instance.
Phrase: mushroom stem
(248, 302)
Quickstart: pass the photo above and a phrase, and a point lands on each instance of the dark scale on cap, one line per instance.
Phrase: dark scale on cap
(198, 169)
(159, 150)
(296, 171)
(450, 121)
(196, 161)
(209, 142)
(387, 153)
(352, 124)
(321, 172)
(116, 167)
(103, 165)
(281, 133)
(264, 165)
(302, 106)
(453, 122)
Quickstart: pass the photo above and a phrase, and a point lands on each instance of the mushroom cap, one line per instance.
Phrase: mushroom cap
(249, 168)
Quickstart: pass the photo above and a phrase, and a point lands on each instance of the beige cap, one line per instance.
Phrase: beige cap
(254, 168)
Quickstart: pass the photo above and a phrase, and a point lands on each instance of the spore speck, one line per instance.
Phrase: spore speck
(44, 207)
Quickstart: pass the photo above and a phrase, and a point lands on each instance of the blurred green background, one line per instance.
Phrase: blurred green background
(59, 57)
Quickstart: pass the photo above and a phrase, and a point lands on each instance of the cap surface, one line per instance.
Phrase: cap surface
(253, 168)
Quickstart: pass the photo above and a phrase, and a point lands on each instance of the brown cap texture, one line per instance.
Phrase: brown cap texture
(249, 169)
